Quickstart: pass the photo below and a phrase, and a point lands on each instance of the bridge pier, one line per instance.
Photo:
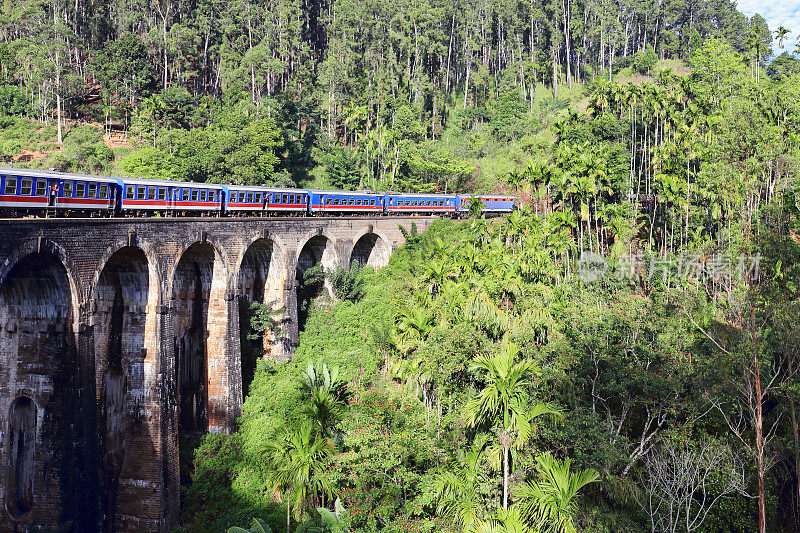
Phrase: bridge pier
(118, 336)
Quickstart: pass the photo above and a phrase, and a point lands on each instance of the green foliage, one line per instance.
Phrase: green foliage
(13, 101)
(347, 284)
(256, 526)
(645, 60)
(148, 162)
(264, 318)
(551, 500)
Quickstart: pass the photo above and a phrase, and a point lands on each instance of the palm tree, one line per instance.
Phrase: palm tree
(455, 489)
(506, 396)
(550, 502)
(503, 521)
(412, 326)
(296, 458)
(781, 34)
(437, 273)
(324, 410)
(516, 223)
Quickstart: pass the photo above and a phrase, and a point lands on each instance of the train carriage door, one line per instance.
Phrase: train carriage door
(170, 200)
(52, 192)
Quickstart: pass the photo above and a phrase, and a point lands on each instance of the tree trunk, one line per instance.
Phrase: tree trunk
(796, 451)
(505, 475)
(449, 54)
(759, 427)
(58, 98)
(466, 83)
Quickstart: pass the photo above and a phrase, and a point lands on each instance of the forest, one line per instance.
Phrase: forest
(412, 95)
(620, 354)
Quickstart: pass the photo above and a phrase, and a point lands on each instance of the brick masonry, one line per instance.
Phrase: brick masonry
(118, 334)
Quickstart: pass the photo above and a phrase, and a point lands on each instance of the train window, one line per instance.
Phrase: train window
(151, 193)
(162, 193)
(26, 186)
(11, 185)
(80, 190)
(372, 202)
(248, 198)
(232, 197)
(103, 191)
(258, 199)
(194, 195)
(328, 201)
(336, 201)
(141, 191)
(92, 190)
(358, 201)
(291, 199)
(203, 195)
(41, 187)
(428, 202)
(130, 191)
(284, 198)
(68, 189)
(414, 203)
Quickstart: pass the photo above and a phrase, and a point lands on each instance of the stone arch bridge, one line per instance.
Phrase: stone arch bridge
(118, 336)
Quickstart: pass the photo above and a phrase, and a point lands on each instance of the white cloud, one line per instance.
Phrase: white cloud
(784, 13)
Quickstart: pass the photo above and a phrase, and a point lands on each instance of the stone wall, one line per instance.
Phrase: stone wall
(119, 335)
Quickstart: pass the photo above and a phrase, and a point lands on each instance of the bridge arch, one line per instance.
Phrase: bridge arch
(261, 274)
(125, 296)
(370, 248)
(47, 455)
(315, 249)
(198, 295)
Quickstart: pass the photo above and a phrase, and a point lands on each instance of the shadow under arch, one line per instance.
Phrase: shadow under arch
(260, 278)
(199, 316)
(370, 249)
(123, 313)
(318, 252)
(53, 476)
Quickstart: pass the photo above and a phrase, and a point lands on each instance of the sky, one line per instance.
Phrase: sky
(784, 13)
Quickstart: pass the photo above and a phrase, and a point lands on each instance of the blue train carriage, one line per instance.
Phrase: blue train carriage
(498, 204)
(286, 201)
(421, 204)
(24, 190)
(344, 202)
(243, 200)
(493, 205)
(169, 197)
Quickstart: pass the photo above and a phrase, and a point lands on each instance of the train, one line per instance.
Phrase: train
(26, 192)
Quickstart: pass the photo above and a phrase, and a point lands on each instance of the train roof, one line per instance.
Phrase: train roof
(147, 181)
(422, 195)
(263, 188)
(363, 193)
(34, 173)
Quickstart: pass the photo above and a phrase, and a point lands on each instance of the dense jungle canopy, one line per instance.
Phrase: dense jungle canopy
(491, 378)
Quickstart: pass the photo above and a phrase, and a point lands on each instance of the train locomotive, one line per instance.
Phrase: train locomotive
(25, 192)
